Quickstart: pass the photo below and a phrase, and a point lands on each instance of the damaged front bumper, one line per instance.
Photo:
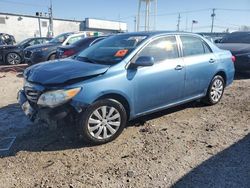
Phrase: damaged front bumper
(48, 115)
(25, 105)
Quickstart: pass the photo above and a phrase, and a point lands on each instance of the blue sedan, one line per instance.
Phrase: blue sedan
(124, 77)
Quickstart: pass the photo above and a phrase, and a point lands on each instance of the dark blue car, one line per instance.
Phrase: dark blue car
(124, 77)
(14, 54)
(76, 47)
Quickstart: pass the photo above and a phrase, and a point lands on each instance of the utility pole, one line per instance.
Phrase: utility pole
(147, 16)
(213, 16)
(192, 26)
(186, 28)
(155, 13)
(149, 13)
(139, 16)
(135, 24)
(179, 21)
(51, 31)
(39, 14)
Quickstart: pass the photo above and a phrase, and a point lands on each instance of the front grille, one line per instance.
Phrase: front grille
(27, 54)
(32, 94)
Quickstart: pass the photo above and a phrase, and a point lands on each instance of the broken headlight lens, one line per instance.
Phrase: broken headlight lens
(55, 98)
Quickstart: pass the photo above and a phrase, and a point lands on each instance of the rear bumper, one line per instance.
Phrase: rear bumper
(242, 63)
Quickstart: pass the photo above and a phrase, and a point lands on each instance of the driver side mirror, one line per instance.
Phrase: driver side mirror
(143, 61)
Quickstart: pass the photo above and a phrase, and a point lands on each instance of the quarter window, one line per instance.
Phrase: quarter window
(193, 46)
(161, 49)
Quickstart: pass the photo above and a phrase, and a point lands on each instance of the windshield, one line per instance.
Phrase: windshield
(23, 42)
(237, 38)
(111, 50)
(60, 38)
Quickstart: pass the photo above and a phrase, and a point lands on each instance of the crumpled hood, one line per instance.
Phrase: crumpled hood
(235, 48)
(61, 71)
(46, 45)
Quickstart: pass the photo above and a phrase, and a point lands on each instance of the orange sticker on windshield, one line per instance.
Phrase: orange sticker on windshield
(121, 53)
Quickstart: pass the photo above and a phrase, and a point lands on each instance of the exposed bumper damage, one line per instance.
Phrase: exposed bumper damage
(46, 115)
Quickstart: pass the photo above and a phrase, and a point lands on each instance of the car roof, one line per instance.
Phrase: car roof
(240, 33)
(5, 34)
(88, 40)
(156, 33)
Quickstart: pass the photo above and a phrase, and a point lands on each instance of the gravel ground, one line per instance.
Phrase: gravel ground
(188, 146)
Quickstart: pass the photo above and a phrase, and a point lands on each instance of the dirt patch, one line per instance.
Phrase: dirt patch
(188, 146)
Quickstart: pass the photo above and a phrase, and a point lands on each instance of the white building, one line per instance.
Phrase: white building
(25, 26)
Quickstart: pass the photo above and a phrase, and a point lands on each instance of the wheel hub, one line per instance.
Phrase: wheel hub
(104, 122)
(216, 90)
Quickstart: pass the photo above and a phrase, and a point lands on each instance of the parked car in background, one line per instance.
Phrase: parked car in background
(123, 77)
(13, 54)
(6, 39)
(45, 52)
(76, 47)
(239, 45)
(213, 37)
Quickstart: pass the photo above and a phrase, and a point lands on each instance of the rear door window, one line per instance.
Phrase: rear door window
(194, 46)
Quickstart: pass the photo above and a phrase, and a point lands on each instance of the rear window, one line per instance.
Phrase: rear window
(83, 42)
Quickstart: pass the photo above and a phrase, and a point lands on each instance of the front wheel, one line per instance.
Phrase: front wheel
(103, 121)
(13, 58)
(215, 90)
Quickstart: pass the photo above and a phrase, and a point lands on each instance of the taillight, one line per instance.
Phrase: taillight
(233, 58)
(68, 53)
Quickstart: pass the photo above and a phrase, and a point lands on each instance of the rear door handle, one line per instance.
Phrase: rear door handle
(179, 67)
(211, 60)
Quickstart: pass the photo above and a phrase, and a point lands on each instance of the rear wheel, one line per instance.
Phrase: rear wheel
(103, 121)
(52, 57)
(13, 58)
(215, 90)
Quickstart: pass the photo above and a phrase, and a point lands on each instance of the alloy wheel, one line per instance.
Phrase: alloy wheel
(216, 90)
(13, 59)
(104, 122)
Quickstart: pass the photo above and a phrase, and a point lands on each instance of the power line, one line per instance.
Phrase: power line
(24, 4)
(183, 12)
(172, 13)
(238, 10)
(225, 22)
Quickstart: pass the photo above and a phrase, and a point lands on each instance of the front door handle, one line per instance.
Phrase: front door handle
(211, 60)
(179, 67)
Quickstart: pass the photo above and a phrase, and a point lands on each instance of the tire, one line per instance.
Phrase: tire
(13, 58)
(94, 124)
(215, 91)
(52, 57)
